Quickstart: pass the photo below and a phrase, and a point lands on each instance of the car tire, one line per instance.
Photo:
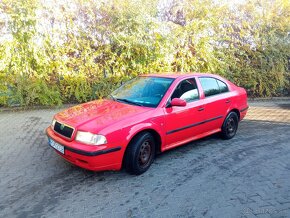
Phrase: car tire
(140, 153)
(230, 126)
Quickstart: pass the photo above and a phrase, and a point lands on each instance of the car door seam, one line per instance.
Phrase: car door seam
(193, 125)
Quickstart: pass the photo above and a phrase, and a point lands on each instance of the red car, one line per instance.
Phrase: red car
(147, 115)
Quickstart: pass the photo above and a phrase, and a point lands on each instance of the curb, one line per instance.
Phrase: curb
(39, 107)
(31, 108)
(274, 99)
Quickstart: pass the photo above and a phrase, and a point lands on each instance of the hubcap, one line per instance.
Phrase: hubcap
(231, 126)
(145, 154)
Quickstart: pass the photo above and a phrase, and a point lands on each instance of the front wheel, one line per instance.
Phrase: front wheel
(140, 153)
(230, 126)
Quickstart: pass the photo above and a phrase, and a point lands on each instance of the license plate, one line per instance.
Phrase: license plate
(56, 146)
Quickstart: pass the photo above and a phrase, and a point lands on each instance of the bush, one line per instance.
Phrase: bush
(90, 47)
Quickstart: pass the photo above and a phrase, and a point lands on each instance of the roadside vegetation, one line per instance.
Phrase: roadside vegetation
(54, 52)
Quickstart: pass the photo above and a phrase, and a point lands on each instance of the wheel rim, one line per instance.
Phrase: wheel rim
(231, 126)
(145, 154)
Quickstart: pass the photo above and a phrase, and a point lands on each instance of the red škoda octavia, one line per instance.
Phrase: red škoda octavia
(145, 116)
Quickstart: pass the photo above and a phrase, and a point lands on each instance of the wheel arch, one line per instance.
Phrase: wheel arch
(236, 111)
(155, 135)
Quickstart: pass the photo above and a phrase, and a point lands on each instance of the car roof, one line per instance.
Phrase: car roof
(179, 75)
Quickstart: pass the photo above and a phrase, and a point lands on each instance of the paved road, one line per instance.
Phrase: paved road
(248, 176)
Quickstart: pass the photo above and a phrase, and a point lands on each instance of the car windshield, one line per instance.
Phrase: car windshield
(142, 91)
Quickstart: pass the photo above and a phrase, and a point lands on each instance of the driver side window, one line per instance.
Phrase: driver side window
(186, 90)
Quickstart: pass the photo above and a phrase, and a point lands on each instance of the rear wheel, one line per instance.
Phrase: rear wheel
(140, 153)
(230, 126)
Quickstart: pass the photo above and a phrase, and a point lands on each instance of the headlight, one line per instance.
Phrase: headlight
(53, 123)
(90, 138)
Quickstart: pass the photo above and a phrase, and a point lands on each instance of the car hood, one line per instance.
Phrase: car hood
(98, 114)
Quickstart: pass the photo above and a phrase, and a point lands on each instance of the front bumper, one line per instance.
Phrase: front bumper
(96, 158)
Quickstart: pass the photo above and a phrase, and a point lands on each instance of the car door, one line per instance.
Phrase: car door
(182, 122)
(217, 101)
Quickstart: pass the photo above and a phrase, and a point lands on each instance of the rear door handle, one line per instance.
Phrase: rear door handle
(228, 101)
(200, 109)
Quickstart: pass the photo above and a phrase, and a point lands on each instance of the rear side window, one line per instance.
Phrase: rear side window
(212, 86)
(209, 86)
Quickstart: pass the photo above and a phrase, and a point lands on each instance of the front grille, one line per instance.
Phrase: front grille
(63, 129)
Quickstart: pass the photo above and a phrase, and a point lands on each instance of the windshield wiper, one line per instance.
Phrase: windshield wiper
(128, 101)
(112, 97)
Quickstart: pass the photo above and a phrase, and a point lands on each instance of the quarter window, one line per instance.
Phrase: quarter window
(223, 87)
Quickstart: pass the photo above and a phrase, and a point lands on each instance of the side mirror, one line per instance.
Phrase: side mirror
(178, 102)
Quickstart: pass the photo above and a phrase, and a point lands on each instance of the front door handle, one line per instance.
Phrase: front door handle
(200, 109)
(228, 101)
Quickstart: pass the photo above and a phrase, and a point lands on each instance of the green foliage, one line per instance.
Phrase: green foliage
(26, 69)
(81, 50)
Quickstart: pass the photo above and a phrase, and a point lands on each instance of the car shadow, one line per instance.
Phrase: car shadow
(284, 106)
(179, 151)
